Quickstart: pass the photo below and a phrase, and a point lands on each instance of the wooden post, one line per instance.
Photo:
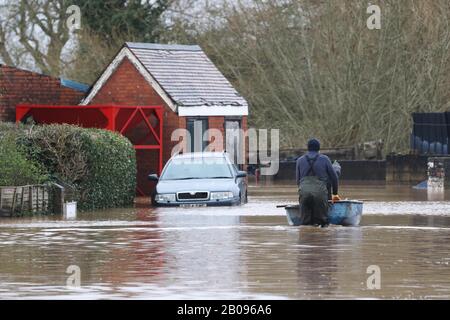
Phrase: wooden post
(30, 199)
(37, 199)
(22, 199)
(43, 200)
(13, 206)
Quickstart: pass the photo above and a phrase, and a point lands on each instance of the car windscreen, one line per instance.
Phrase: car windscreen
(197, 168)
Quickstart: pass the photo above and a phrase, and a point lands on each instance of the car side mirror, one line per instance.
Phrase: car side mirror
(241, 174)
(153, 177)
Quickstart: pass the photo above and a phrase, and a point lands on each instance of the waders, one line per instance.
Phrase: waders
(313, 198)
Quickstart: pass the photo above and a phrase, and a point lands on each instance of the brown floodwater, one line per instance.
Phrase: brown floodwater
(246, 252)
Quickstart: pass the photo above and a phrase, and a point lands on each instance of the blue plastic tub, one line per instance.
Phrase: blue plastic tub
(344, 213)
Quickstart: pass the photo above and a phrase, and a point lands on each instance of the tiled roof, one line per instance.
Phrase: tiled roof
(187, 75)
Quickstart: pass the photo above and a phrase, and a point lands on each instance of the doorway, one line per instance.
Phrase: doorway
(234, 140)
(197, 128)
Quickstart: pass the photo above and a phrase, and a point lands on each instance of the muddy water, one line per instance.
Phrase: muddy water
(239, 252)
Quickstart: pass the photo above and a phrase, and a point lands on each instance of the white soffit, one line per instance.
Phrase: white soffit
(213, 111)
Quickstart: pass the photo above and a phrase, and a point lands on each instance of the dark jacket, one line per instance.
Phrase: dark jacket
(322, 168)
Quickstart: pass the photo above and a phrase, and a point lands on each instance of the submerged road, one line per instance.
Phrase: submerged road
(239, 252)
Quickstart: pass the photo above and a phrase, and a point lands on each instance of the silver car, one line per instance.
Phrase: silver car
(200, 179)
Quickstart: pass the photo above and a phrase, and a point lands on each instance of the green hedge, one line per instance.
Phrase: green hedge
(15, 168)
(99, 164)
(112, 171)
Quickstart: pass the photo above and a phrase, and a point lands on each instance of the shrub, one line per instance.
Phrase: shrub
(101, 165)
(15, 168)
(112, 171)
(6, 127)
(60, 149)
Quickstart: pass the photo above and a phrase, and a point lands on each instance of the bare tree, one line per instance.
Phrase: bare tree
(313, 68)
(33, 33)
(35, 30)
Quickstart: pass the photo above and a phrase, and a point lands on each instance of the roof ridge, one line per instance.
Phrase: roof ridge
(160, 46)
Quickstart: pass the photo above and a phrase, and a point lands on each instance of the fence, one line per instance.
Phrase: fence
(35, 199)
(370, 150)
(431, 133)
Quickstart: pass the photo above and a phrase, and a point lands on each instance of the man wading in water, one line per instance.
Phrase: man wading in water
(314, 172)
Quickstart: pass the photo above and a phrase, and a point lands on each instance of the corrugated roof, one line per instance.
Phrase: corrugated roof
(187, 75)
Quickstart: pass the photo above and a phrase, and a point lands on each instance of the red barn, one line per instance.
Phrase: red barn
(195, 96)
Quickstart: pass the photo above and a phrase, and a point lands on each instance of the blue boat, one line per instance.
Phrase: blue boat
(344, 213)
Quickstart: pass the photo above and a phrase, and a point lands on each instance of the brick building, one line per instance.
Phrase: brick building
(194, 93)
(181, 79)
(19, 86)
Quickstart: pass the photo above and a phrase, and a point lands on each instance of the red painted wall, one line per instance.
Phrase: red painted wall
(24, 87)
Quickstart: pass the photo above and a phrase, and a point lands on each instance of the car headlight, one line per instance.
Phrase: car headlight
(221, 195)
(167, 197)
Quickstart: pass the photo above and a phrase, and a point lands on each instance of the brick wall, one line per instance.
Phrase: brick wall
(127, 87)
(217, 123)
(22, 87)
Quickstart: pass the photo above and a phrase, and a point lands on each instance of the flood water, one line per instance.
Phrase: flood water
(234, 253)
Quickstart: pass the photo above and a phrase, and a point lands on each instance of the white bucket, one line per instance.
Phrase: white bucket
(70, 210)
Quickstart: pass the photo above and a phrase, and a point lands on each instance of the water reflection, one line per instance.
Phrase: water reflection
(204, 249)
(435, 195)
(316, 263)
(239, 252)
(328, 261)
